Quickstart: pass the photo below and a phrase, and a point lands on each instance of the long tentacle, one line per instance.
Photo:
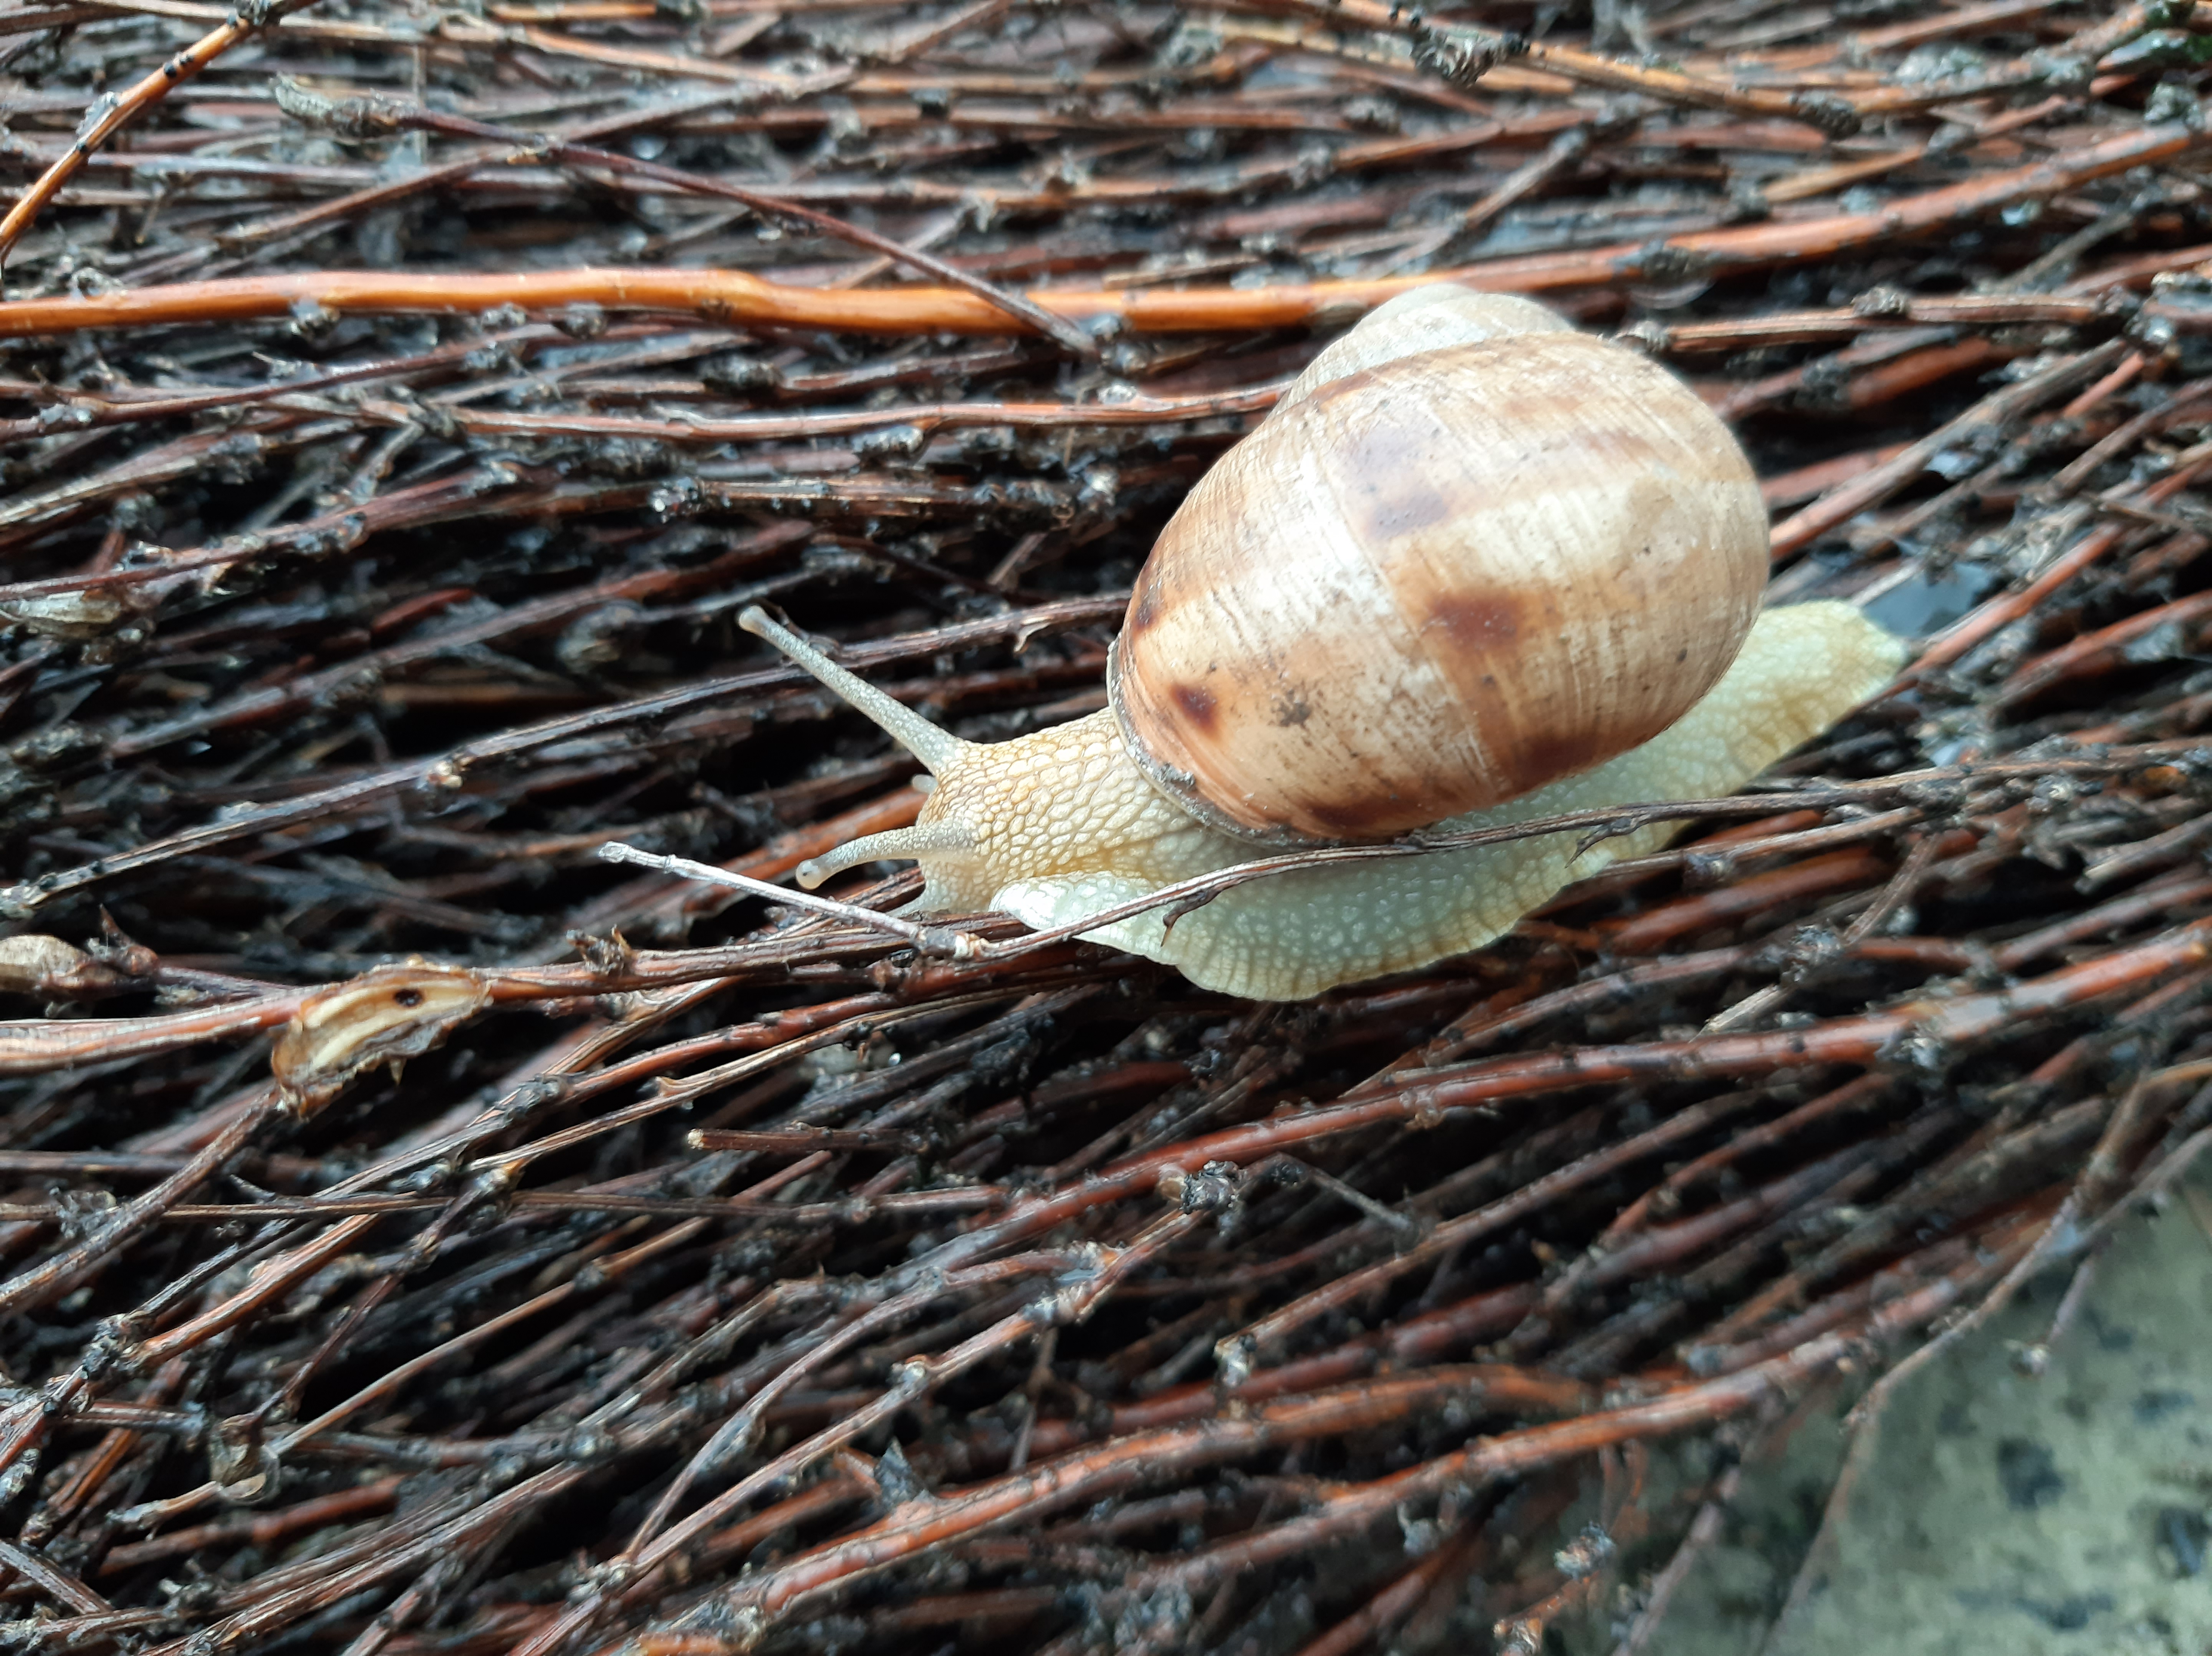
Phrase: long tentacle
(935, 748)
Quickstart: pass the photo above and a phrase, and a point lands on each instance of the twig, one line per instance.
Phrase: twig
(735, 296)
(112, 111)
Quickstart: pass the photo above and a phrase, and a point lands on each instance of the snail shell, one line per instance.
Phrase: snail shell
(1439, 581)
(1474, 569)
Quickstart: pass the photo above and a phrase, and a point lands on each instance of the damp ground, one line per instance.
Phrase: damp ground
(2000, 1512)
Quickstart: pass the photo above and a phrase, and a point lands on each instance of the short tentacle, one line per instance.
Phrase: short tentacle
(897, 844)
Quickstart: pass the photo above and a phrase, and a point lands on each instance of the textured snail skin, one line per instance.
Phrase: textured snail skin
(1289, 937)
(1059, 825)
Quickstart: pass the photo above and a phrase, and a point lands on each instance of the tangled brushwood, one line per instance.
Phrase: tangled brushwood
(424, 1235)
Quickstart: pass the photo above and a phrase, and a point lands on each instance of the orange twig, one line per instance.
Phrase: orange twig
(733, 296)
(1017, 306)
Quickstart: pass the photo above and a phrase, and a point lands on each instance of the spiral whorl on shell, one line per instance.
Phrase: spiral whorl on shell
(1410, 594)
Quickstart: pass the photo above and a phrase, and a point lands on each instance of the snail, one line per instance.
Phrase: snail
(1474, 568)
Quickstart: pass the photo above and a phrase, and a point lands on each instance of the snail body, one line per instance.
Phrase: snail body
(1475, 569)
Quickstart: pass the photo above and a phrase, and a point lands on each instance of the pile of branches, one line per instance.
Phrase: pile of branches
(399, 405)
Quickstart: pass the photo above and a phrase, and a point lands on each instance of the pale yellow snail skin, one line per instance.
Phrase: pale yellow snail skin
(1069, 821)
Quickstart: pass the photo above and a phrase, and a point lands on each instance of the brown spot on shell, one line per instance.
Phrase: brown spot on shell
(1199, 705)
(1290, 710)
(1144, 609)
(1479, 621)
(1348, 821)
(1548, 758)
(1386, 484)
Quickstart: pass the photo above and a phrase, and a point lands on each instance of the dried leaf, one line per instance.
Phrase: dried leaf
(384, 1016)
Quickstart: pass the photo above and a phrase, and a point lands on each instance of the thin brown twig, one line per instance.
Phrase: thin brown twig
(112, 112)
